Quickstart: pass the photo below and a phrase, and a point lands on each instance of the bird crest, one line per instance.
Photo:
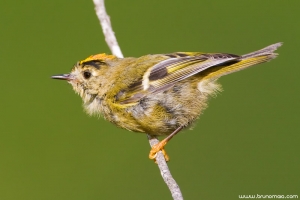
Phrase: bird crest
(100, 57)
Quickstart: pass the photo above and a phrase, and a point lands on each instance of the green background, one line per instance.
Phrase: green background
(247, 141)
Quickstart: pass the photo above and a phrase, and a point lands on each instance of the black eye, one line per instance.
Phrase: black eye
(87, 74)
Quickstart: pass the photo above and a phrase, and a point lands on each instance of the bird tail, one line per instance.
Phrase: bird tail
(264, 55)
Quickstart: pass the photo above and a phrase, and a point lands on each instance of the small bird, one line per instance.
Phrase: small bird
(158, 94)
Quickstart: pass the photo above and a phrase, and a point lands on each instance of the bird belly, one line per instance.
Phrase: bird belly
(164, 112)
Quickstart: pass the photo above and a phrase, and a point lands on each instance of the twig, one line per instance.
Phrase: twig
(165, 172)
(109, 34)
(111, 41)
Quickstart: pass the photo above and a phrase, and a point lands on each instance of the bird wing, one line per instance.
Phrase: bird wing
(182, 65)
(165, 74)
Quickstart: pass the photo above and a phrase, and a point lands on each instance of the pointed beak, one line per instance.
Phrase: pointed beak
(66, 77)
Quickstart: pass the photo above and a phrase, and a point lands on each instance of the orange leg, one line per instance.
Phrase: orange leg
(160, 146)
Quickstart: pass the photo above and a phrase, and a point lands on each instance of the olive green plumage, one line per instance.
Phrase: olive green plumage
(155, 94)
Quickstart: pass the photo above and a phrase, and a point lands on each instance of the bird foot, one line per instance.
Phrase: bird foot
(156, 148)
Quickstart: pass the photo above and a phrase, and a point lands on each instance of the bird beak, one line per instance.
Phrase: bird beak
(66, 77)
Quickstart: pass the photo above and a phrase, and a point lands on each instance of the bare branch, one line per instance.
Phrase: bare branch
(115, 49)
(165, 172)
(109, 34)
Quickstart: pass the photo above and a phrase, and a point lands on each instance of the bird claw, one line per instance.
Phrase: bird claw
(156, 148)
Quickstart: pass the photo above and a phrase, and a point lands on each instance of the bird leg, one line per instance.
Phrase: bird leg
(160, 146)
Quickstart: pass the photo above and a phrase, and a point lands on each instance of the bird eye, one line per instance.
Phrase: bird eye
(87, 74)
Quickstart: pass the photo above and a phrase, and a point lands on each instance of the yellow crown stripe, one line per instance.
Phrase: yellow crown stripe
(100, 57)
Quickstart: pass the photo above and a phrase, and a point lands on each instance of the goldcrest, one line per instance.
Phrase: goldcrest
(156, 94)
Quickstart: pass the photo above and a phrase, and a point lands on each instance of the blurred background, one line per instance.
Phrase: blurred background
(246, 142)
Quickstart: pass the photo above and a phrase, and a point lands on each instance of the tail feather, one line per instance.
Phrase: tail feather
(265, 51)
(264, 55)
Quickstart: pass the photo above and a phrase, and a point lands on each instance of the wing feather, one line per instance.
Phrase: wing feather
(165, 74)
